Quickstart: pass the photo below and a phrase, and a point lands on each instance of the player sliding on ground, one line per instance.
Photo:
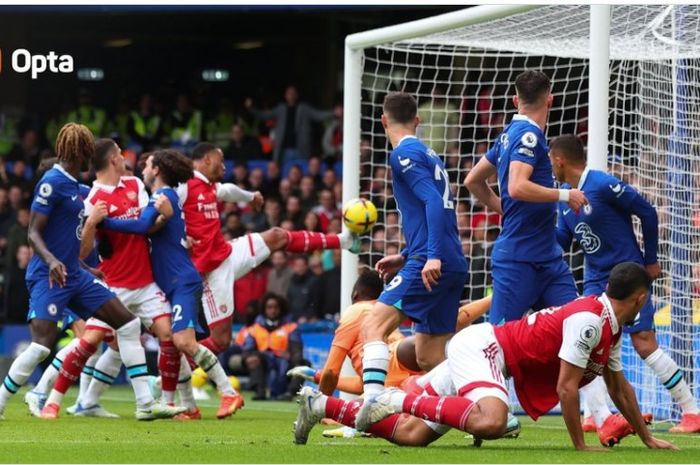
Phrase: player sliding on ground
(605, 232)
(550, 354)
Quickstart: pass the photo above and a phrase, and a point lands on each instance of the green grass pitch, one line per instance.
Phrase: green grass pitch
(261, 433)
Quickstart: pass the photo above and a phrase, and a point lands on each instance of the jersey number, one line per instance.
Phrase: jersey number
(177, 313)
(532, 317)
(441, 173)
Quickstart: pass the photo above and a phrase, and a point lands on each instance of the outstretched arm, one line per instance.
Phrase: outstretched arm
(139, 226)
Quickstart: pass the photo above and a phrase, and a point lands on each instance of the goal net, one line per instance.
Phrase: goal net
(463, 81)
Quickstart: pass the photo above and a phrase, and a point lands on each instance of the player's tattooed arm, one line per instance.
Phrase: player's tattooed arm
(57, 270)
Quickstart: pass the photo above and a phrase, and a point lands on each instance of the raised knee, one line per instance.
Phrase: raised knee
(277, 238)
(489, 428)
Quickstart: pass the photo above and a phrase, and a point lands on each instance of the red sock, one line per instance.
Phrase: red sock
(344, 412)
(210, 344)
(307, 241)
(73, 365)
(190, 361)
(169, 365)
(448, 410)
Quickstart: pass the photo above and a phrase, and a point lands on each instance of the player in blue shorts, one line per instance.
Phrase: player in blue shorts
(173, 269)
(56, 279)
(528, 269)
(604, 230)
(431, 271)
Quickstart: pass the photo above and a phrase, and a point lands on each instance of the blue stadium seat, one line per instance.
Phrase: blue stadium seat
(303, 164)
(338, 168)
(258, 164)
(229, 170)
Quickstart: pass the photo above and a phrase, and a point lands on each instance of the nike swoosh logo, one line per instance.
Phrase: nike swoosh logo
(567, 211)
(73, 197)
(404, 161)
(616, 188)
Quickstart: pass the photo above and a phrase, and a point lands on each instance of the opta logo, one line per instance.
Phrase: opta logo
(24, 62)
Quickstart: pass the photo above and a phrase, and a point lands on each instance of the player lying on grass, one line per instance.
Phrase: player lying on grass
(550, 354)
(173, 269)
(348, 341)
(605, 231)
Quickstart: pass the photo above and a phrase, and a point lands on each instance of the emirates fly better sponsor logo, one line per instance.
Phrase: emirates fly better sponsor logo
(23, 61)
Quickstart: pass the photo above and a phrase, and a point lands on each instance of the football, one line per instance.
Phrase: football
(359, 215)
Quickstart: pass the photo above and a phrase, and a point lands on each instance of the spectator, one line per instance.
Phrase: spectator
(327, 210)
(88, 114)
(287, 225)
(185, 124)
(219, 128)
(314, 170)
(17, 196)
(307, 193)
(16, 294)
(254, 220)
(28, 150)
(300, 293)
(316, 267)
(18, 177)
(293, 212)
(294, 124)
(256, 181)
(329, 179)
(234, 226)
(272, 181)
(439, 121)
(280, 276)
(240, 175)
(249, 288)
(294, 176)
(273, 346)
(17, 236)
(285, 190)
(328, 289)
(311, 222)
(273, 212)
(145, 127)
(333, 137)
(242, 147)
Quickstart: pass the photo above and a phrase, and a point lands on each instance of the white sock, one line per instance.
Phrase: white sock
(48, 378)
(397, 397)
(184, 385)
(105, 372)
(345, 239)
(134, 357)
(672, 378)
(595, 395)
(208, 362)
(375, 363)
(20, 370)
(318, 405)
(86, 374)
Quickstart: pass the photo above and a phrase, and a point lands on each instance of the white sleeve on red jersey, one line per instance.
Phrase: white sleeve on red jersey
(182, 192)
(232, 193)
(580, 334)
(88, 203)
(143, 195)
(615, 359)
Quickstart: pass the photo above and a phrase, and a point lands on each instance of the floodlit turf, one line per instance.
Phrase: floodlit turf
(262, 433)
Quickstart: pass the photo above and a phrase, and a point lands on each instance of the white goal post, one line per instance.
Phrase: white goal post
(637, 64)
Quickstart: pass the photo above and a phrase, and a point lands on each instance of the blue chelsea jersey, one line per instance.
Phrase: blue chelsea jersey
(529, 229)
(171, 263)
(58, 196)
(604, 227)
(426, 205)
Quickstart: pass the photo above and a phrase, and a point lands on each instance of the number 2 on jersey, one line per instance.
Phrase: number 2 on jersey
(441, 173)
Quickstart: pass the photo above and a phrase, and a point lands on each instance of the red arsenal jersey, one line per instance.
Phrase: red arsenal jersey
(130, 264)
(584, 332)
(202, 208)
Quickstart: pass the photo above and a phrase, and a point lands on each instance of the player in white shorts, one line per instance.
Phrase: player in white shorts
(221, 262)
